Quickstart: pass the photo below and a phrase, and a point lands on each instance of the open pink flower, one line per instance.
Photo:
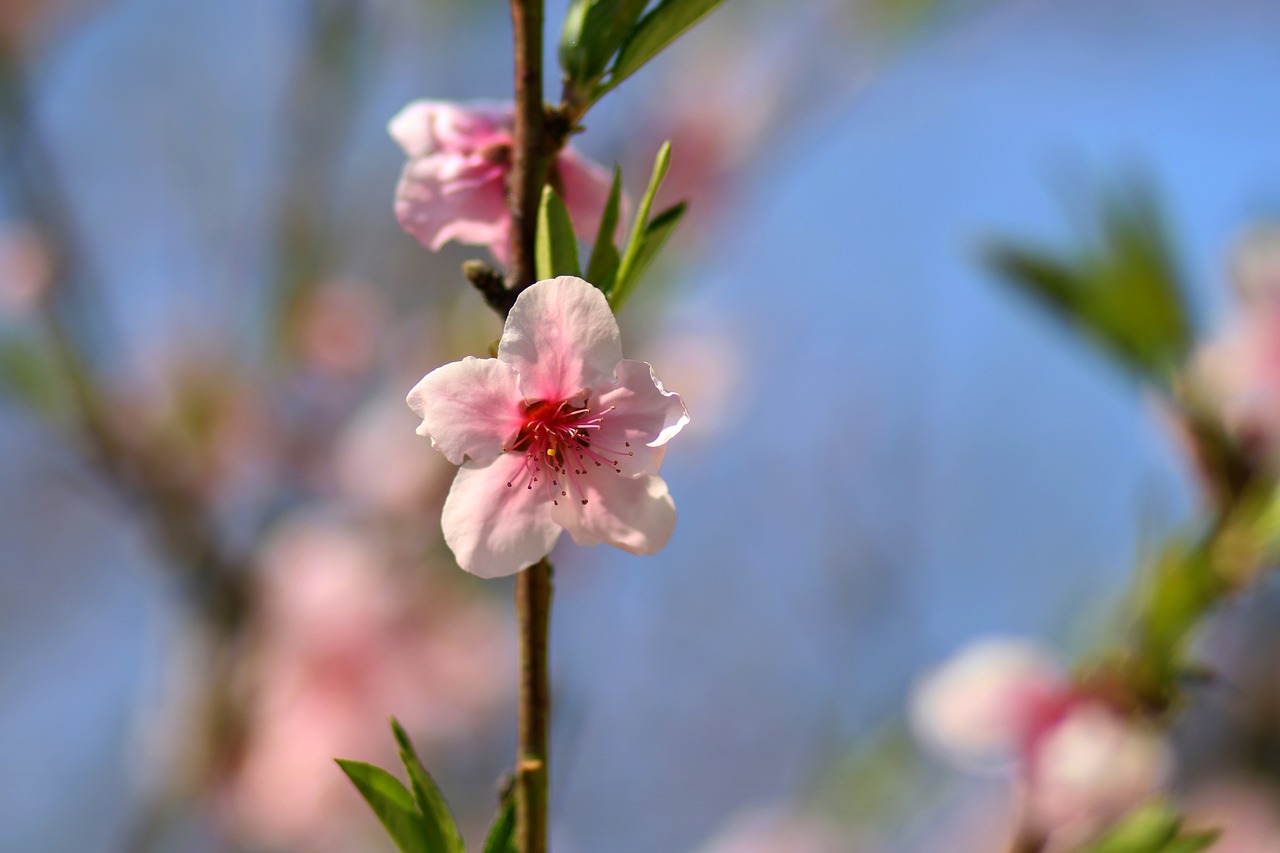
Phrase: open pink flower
(454, 185)
(557, 432)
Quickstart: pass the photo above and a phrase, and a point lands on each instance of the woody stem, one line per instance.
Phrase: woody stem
(532, 151)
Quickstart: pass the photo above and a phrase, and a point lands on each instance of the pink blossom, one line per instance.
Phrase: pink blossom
(557, 432)
(454, 185)
(342, 640)
(1238, 372)
(1082, 762)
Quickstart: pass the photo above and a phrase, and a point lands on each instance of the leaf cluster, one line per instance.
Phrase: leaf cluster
(615, 270)
(604, 42)
(1123, 290)
(417, 818)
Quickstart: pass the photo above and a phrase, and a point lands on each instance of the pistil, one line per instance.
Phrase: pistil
(565, 438)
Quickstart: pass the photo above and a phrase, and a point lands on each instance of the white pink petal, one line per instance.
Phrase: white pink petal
(562, 339)
(494, 523)
(469, 408)
(636, 515)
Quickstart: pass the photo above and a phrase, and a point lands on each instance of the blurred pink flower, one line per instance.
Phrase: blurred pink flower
(1239, 375)
(1238, 372)
(378, 462)
(341, 643)
(1081, 762)
(26, 267)
(454, 185)
(1243, 809)
(778, 830)
(557, 432)
(339, 326)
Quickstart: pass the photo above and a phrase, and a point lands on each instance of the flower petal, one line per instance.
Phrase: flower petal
(447, 197)
(425, 127)
(562, 339)
(645, 417)
(469, 408)
(495, 529)
(636, 515)
(584, 185)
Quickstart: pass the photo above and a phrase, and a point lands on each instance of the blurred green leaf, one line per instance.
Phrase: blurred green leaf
(603, 267)
(1183, 585)
(1193, 843)
(647, 236)
(593, 31)
(1154, 828)
(393, 804)
(657, 29)
(1148, 830)
(556, 249)
(1124, 290)
(29, 375)
(502, 835)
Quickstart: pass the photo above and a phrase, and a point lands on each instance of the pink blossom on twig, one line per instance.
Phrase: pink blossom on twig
(559, 432)
(454, 185)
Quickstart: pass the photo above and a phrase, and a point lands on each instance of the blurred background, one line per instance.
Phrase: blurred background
(220, 555)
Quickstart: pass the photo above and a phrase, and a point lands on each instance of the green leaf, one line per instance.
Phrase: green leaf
(29, 375)
(556, 250)
(1155, 828)
(603, 267)
(626, 278)
(593, 31)
(502, 835)
(393, 804)
(657, 29)
(651, 242)
(426, 793)
(1193, 843)
(1122, 289)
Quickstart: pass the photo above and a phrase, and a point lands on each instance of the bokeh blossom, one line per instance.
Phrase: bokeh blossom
(341, 642)
(1081, 762)
(454, 185)
(1238, 372)
(559, 432)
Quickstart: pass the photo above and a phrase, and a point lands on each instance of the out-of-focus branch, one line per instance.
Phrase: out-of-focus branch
(171, 507)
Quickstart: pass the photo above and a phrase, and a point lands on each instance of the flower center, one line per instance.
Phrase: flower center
(561, 443)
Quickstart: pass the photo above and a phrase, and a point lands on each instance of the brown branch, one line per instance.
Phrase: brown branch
(533, 607)
(532, 152)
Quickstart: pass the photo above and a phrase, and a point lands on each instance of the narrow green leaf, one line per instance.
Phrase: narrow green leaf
(603, 267)
(660, 165)
(502, 835)
(593, 31)
(651, 243)
(426, 794)
(556, 250)
(657, 29)
(393, 804)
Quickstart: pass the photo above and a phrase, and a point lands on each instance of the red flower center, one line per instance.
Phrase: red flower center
(561, 443)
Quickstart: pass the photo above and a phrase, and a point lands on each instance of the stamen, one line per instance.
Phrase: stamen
(555, 432)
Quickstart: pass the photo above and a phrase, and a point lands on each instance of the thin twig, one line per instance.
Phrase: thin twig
(532, 151)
